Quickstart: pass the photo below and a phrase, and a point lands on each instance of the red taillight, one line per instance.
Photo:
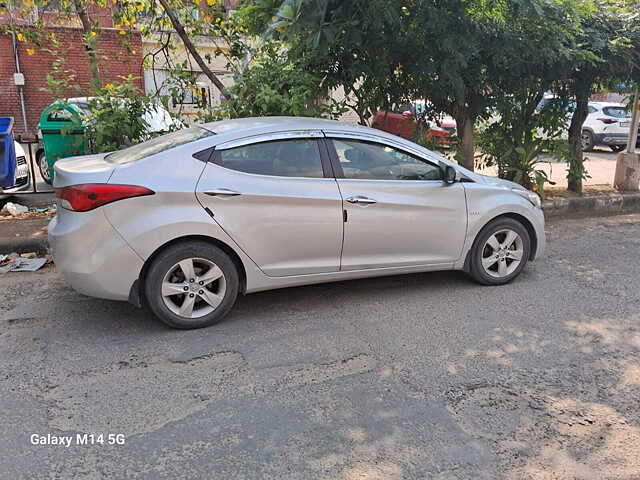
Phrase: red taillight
(607, 121)
(82, 198)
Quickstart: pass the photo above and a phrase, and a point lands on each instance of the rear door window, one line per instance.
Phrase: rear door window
(282, 158)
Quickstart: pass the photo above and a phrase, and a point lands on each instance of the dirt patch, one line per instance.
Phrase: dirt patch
(551, 193)
(136, 395)
(324, 372)
(545, 437)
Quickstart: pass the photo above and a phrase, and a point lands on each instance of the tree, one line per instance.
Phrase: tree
(90, 29)
(449, 52)
(273, 85)
(609, 55)
(351, 45)
(540, 42)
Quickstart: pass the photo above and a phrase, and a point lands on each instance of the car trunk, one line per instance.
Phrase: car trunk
(84, 169)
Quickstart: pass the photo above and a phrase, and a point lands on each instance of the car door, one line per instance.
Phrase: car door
(276, 197)
(398, 210)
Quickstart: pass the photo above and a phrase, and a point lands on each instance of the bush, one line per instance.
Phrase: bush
(116, 118)
(521, 134)
(273, 85)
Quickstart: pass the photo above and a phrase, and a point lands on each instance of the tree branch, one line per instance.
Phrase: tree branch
(184, 36)
(87, 28)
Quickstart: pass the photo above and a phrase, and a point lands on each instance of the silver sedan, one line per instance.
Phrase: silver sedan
(186, 222)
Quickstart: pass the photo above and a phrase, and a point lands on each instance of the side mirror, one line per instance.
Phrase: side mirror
(407, 113)
(450, 174)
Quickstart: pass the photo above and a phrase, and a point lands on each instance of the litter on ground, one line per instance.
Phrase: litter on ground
(14, 209)
(27, 262)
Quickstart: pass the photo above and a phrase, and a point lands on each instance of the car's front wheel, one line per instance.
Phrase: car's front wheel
(192, 284)
(43, 166)
(617, 148)
(500, 252)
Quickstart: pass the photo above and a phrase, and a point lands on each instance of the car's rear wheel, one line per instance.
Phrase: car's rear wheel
(500, 252)
(191, 284)
(587, 141)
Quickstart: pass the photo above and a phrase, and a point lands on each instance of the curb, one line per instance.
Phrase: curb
(612, 204)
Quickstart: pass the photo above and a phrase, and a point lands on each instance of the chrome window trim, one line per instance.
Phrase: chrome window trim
(268, 137)
(385, 141)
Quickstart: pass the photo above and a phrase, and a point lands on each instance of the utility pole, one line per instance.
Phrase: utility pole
(627, 176)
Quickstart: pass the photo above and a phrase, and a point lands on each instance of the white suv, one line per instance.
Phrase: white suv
(607, 124)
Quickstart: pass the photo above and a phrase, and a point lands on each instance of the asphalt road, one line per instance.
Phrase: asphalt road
(419, 376)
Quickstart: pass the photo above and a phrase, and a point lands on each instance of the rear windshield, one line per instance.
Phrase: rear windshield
(617, 112)
(157, 145)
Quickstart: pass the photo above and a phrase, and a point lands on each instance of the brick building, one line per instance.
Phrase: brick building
(116, 60)
(32, 64)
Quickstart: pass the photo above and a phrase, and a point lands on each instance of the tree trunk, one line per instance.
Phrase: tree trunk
(184, 36)
(576, 164)
(465, 123)
(87, 28)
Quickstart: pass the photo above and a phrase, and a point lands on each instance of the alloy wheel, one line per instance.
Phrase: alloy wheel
(193, 287)
(586, 140)
(44, 168)
(502, 253)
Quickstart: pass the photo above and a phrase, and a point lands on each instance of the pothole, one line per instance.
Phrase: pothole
(135, 396)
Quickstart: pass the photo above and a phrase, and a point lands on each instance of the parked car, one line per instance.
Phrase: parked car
(402, 121)
(23, 177)
(158, 119)
(187, 221)
(607, 124)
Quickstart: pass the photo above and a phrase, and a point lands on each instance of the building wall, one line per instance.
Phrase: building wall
(157, 77)
(119, 61)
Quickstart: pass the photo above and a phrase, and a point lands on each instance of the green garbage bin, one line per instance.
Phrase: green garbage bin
(63, 132)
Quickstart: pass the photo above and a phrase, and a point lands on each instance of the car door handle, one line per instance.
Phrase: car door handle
(221, 192)
(361, 200)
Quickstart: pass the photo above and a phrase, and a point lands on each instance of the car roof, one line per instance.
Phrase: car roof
(244, 127)
(607, 104)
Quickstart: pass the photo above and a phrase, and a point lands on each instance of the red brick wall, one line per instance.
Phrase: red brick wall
(118, 61)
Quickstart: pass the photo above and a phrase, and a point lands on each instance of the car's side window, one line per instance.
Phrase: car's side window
(373, 161)
(283, 158)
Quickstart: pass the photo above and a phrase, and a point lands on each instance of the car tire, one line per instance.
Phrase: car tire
(500, 252)
(173, 290)
(617, 148)
(587, 141)
(43, 166)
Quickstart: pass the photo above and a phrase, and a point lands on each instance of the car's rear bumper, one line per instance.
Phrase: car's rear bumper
(612, 139)
(92, 256)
